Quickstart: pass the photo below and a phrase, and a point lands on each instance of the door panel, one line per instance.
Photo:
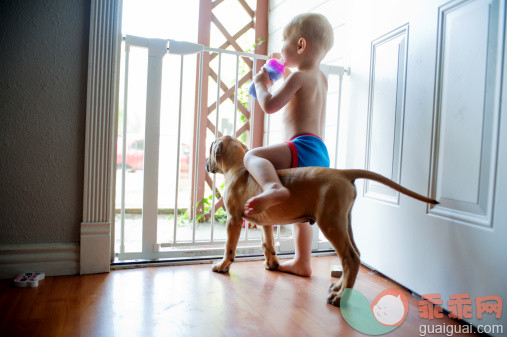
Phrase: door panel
(385, 112)
(466, 115)
(451, 140)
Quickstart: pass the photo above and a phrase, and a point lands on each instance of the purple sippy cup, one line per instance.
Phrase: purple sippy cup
(275, 71)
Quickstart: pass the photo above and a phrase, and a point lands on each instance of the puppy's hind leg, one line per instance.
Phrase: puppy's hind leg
(338, 235)
(233, 232)
(351, 236)
(268, 246)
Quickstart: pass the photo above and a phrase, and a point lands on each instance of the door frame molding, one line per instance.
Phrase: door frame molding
(100, 145)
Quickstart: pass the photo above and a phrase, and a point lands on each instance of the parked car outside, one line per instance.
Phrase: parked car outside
(134, 159)
(135, 156)
(184, 158)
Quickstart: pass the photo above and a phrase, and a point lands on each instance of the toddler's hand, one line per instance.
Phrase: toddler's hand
(263, 77)
(275, 56)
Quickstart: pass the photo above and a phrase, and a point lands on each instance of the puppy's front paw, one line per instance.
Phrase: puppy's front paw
(271, 262)
(221, 266)
(334, 298)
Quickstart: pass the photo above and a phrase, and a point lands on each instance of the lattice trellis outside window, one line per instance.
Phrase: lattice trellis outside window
(241, 26)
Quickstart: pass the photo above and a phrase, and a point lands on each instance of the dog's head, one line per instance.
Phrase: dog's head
(225, 153)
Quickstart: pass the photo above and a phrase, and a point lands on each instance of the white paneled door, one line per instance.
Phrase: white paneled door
(426, 111)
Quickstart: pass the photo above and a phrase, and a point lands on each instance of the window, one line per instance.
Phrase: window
(226, 25)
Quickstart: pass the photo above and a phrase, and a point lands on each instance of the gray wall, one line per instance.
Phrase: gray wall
(43, 77)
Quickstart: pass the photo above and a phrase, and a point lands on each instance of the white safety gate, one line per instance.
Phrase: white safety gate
(167, 239)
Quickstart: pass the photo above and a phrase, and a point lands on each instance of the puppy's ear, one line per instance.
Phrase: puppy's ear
(218, 148)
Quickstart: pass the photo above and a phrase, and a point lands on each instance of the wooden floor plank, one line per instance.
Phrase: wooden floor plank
(191, 301)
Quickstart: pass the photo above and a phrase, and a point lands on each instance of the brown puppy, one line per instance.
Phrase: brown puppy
(318, 194)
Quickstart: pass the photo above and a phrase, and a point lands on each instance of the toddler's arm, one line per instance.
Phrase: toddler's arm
(272, 103)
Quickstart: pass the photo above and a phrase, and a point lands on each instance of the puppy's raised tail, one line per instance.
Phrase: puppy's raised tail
(363, 174)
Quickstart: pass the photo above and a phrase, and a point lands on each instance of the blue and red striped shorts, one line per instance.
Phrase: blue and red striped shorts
(308, 150)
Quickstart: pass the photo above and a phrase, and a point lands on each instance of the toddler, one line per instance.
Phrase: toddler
(306, 40)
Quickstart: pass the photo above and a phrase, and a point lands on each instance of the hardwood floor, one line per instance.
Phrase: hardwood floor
(191, 301)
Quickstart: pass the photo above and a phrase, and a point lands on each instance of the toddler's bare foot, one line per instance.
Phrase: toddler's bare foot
(270, 197)
(296, 267)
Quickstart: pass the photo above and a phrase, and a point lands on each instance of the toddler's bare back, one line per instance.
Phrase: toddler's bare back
(305, 112)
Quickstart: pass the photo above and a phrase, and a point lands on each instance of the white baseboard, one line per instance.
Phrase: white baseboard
(95, 247)
(52, 259)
